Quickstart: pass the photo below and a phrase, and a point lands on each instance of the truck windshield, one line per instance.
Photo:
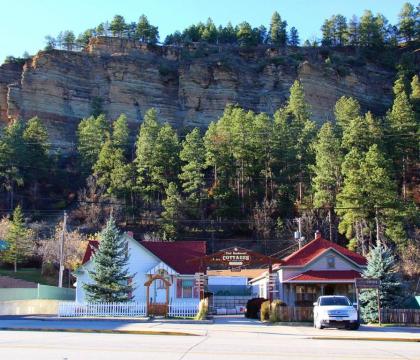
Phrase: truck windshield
(336, 300)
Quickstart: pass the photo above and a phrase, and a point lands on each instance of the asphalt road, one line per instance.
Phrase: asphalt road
(226, 339)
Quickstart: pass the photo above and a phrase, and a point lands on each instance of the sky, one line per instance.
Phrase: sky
(25, 23)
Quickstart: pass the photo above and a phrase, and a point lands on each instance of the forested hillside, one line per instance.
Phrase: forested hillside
(249, 177)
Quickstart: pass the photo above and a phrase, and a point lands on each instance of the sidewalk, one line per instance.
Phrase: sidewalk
(220, 326)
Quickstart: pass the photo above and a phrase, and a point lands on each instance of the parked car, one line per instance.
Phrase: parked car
(335, 311)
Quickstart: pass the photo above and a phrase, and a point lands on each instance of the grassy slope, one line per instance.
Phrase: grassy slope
(30, 274)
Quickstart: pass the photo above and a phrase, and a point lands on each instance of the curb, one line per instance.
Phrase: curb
(352, 338)
(101, 331)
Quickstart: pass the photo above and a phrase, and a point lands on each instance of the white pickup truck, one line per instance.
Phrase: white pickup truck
(335, 311)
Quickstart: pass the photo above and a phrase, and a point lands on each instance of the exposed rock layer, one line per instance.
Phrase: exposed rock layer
(189, 87)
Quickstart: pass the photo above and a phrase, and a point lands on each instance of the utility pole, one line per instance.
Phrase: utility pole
(61, 251)
(378, 240)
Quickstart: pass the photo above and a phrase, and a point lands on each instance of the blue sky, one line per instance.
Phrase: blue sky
(24, 23)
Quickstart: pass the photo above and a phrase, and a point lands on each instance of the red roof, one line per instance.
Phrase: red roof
(316, 247)
(175, 254)
(326, 275)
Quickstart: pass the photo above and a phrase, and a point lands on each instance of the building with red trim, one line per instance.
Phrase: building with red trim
(148, 259)
(321, 267)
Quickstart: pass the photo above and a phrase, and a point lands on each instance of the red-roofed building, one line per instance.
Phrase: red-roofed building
(167, 259)
(321, 267)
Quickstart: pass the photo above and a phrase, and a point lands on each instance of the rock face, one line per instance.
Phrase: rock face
(188, 87)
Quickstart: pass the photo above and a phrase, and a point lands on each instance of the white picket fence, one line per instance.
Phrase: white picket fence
(183, 309)
(73, 309)
(133, 309)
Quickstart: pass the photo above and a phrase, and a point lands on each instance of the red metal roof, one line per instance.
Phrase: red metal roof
(175, 254)
(326, 275)
(316, 247)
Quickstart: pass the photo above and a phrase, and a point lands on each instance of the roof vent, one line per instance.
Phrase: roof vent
(317, 234)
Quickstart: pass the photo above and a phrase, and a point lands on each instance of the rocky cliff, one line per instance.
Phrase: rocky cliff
(189, 86)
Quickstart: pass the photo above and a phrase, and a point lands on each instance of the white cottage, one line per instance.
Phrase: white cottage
(164, 262)
(321, 267)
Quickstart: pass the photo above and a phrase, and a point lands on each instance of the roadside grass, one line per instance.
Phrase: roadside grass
(29, 274)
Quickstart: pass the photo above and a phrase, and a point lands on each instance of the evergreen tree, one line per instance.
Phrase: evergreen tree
(146, 32)
(346, 109)
(110, 277)
(327, 30)
(415, 96)
(381, 265)
(353, 31)
(121, 134)
(91, 135)
(165, 161)
(327, 180)
(35, 137)
(407, 22)
(403, 127)
(294, 37)
(172, 212)
(118, 25)
(19, 244)
(278, 34)
(69, 40)
(145, 152)
(340, 30)
(245, 35)
(192, 171)
(209, 33)
(12, 158)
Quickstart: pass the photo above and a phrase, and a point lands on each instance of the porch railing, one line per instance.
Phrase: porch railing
(73, 309)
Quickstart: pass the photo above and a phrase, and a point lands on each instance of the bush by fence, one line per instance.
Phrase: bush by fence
(44, 292)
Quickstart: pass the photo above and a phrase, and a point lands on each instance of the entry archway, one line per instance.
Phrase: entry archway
(157, 309)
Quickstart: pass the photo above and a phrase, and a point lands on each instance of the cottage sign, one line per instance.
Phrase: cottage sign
(236, 257)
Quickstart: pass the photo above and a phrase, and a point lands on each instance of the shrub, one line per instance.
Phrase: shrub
(265, 311)
(253, 307)
(203, 310)
(274, 315)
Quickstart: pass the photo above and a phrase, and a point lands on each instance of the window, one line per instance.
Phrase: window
(187, 288)
(305, 294)
(331, 262)
(160, 284)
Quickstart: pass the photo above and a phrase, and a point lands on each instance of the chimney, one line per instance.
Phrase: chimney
(317, 234)
(130, 234)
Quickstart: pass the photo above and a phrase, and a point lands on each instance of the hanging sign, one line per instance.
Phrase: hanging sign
(368, 283)
(234, 257)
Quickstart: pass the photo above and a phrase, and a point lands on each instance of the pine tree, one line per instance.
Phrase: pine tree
(294, 37)
(361, 133)
(327, 180)
(345, 110)
(110, 277)
(20, 245)
(192, 171)
(245, 35)
(407, 22)
(165, 165)
(415, 96)
(340, 30)
(353, 31)
(145, 151)
(278, 34)
(172, 212)
(327, 30)
(121, 134)
(403, 127)
(146, 32)
(381, 265)
(118, 25)
(91, 135)
(35, 137)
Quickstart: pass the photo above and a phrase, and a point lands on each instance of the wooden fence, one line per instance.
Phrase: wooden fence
(401, 316)
(292, 313)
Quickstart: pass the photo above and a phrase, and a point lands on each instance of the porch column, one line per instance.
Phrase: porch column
(322, 289)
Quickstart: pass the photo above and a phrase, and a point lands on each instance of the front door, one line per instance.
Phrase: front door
(329, 290)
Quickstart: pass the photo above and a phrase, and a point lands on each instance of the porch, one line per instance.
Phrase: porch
(305, 294)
